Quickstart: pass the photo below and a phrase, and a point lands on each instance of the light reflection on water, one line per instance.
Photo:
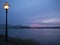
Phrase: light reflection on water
(42, 35)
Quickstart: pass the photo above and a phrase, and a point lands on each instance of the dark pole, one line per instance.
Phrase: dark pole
(6, 31)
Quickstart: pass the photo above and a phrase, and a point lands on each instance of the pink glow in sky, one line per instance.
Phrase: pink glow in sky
(37, 25)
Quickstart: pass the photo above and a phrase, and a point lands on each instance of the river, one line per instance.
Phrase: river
(44, 36)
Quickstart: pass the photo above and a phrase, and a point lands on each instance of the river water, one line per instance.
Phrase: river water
(44, 36)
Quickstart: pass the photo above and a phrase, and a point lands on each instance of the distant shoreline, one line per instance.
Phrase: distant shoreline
(31, 27)
(26, 27)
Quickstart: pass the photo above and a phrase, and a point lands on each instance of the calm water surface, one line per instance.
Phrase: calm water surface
(43, 35)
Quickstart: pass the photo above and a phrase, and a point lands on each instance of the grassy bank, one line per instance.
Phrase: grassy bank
(16, 41)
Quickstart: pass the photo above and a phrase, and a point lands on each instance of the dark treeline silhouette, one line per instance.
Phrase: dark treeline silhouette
(27, 27)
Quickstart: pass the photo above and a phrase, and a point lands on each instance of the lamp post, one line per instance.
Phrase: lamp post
(6, 7)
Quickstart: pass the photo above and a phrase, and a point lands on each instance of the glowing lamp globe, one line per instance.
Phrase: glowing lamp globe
(6, 6)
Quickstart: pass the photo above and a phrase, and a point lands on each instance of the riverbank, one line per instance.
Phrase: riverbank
(16, 41)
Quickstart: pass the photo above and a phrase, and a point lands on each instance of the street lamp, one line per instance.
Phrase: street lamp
(6, 7)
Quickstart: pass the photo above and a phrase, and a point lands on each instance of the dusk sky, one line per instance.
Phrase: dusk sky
(31, 12)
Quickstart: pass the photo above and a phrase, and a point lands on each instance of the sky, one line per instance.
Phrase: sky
(31, 12)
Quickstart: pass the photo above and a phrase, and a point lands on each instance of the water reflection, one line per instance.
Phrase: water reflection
(44, 36)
